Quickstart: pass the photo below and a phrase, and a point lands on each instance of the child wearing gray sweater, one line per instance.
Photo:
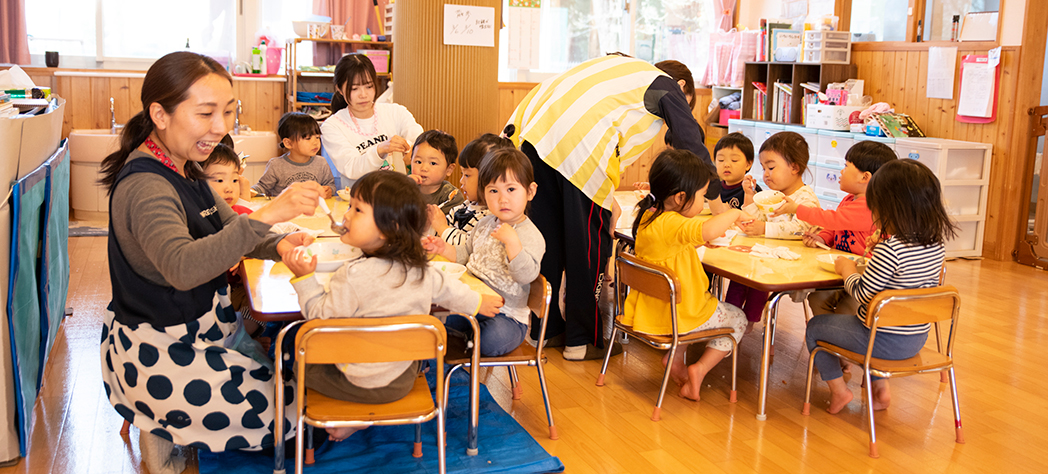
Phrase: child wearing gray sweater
(300, 136)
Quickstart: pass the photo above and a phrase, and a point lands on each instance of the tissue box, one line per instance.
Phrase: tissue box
(378, 57)
(830, 117)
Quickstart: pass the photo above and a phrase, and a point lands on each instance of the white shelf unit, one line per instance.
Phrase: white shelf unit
(963, 169)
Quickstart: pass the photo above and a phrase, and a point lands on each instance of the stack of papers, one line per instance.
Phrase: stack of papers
(763, 251)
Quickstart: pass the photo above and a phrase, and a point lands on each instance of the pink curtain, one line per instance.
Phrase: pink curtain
(14, 44)
(723, 10)
(357, 15)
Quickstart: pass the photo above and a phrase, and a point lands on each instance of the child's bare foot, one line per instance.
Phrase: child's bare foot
(678, 371)
(882, 395)
(340, 434)
(840, 396)
(696, 373)
(749, 327)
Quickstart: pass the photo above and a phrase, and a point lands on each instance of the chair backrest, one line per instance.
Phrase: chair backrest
(913, 306)
(539, 297)
(648, 278)
(367, 340)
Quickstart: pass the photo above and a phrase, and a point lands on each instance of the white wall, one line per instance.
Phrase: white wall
(751, 11)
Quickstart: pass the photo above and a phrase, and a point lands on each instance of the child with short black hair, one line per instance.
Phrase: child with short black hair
(432, 162)
(504, 250)
(225, 175)
(385, 220)
(300, 135)
(454, 226)
(905, 199)
(733, 157)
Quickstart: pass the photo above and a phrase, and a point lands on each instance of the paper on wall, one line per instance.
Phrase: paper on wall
(523, 37)
(469, 26)
(977, 84)
(942, 62)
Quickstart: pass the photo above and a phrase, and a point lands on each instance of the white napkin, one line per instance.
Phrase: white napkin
(289, 227)
(763, 251)
(725, 240)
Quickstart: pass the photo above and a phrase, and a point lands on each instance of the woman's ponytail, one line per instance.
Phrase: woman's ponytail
(338, 102)
(134, 134)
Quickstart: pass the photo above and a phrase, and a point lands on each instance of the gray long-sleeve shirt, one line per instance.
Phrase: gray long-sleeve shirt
(485, 256)
(281, 172)
(149, 223)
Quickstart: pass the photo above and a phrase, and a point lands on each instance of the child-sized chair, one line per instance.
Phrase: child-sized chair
(902, 308)
(525, 355)
(659, 282)
(389, 339)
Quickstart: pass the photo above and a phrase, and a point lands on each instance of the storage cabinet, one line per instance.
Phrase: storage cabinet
(794, 74)
(307, 81)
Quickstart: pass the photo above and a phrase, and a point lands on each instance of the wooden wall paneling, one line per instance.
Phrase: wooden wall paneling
(920, 112)
(79, 103)
(62, 86)
(98, 115)
(244, 91)
(899, 84)
(913, 72)
(120, 91)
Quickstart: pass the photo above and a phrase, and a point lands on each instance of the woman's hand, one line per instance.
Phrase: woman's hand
(292, 240)
(437, 221)
(296, 200)
(246, 192)
(641, 185)
(490, 305)
(788, 207)
(396, 144)
(299, 262)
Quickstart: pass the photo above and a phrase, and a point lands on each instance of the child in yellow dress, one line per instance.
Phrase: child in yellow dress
(666, 234)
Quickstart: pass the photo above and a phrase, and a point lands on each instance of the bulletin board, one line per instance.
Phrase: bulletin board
(980, 84)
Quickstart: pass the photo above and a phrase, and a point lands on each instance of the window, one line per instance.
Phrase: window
(132, 34)
(879, 20)
(573, 31)
(938, 15)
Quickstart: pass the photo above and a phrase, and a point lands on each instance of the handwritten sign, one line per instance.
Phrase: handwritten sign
(469, 26)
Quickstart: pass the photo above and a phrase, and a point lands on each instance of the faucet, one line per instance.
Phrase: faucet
(237, 127)
(113, 127)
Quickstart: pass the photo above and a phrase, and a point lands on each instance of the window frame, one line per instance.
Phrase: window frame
(917, 7)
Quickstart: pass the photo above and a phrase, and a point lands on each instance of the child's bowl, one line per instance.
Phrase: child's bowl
(768, 200)
(453, 271)
(827, 261)
(331, 254)
(344, 194)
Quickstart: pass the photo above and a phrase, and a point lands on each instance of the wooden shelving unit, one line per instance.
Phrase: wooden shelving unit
(320, 81)
(795, 74)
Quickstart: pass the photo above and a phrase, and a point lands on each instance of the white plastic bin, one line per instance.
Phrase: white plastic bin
(828, 201)
(811, 136)
(833, 146)
(763, 130)
(743, 126)
(963, 200)
(968, 242)
(948, 159)
(890, 141)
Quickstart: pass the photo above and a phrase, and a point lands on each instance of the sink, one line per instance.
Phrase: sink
(87, 148)
(261, 147)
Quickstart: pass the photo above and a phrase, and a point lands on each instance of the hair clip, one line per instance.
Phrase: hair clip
(243, 159)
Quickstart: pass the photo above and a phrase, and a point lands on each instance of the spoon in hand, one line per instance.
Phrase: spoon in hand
(450, 197)
(336, 227)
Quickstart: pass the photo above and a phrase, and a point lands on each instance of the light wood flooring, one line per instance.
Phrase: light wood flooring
(1002, 384)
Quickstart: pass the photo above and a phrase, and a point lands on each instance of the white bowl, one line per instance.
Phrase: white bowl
(344, 194)
(827, 261)
(331, 254)
(453, 271)
(302, 27)
(768, 200)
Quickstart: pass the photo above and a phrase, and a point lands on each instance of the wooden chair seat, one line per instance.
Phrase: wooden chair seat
(459, 355)
(927, 360)
(667, 340)
(418, 403)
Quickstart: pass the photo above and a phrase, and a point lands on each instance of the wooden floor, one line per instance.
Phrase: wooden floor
(1002, 387)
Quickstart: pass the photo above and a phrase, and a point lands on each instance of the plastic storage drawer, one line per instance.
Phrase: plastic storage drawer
(833, 146)
(811, 136)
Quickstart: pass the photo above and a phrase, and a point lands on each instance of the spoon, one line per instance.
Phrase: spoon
(336, 227)
(450, 197)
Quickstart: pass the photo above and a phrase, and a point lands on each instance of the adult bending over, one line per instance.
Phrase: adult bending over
(175, 358)
(580, 129)
(362, 136)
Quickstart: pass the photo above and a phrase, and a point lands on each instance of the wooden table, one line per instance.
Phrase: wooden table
(776, 276)
(272, 298)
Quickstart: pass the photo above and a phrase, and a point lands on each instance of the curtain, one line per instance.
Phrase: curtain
(357, 15)
(723, 10)
(14, 43)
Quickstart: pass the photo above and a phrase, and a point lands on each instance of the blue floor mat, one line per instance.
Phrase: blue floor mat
(505, 447)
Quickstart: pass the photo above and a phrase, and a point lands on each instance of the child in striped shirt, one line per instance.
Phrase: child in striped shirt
(906, 202)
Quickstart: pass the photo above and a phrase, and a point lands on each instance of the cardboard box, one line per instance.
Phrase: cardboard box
(830, 117)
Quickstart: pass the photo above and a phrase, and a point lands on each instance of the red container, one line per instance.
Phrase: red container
(726, 115)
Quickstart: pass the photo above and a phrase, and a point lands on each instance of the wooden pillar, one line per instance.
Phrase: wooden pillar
(451, 88)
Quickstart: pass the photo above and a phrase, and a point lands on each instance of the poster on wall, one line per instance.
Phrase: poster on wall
(469, 26)
(525, 17)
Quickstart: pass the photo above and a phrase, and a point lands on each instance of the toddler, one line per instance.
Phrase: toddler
(459, 220)
(665, 234)
(300, 136)
(847, 228)
(733, 156)
(504, 250)
(432, 161)
(906, 202)
(784, 157)
(385, 220)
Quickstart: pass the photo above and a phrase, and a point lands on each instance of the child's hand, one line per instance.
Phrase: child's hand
(872, 241)
(844, 266)
(641, 185)
(506, 234)
(788, 207)
(433, 244)
(326, 192)
(416, 178)
(293, 240)
(299, 261)
(437, 220)
(749, 186)
(490, 305)
(753, 228)
(744, 219)
(812, 240)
